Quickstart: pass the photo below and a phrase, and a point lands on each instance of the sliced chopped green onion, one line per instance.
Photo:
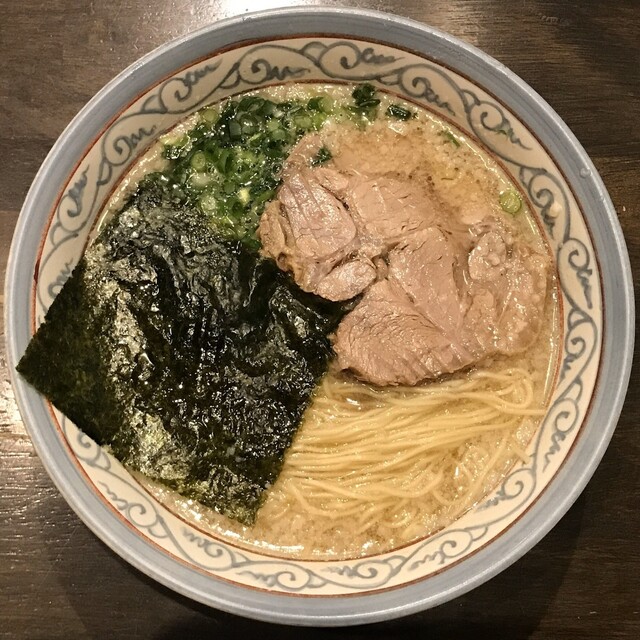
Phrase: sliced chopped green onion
(364, 95)
(247, 156)
(450, 137)
(366, 104)
(200, 180)
(176, 147)
(235, 130)
(174, 140)
(243, 195)
(279, 134)
(199, 161)
(256, 140)
(249, 125)
(327, 104)
(315, 104)
(264, 196)
(237, 208)
(208, 203)
(246, 177)
(250, 103)
(317, 120)
(398, 112)
(302, 122)
(256, 105)
(225, 162)
(210, 115)
(510, 201)
(268, 109)
(323, 155)
(323, 104)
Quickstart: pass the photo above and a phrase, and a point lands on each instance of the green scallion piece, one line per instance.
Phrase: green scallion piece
(208, 203)
(200, 180)
(198, 161)
(279, 135)
(268, 108)
(302, 122)
(315, 104)
(264, 196)
(235, 130)
(323, 104)
(450, 137)
(224, 163)
(243, 195)
(510, 201)
(210, 115)
(323, 155)
(256, 105)
(399, 112)
(176, 148)
(364, 95)
(366, 104)
(249, 125)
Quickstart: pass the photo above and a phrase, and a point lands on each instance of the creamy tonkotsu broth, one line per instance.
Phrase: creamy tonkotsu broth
(373, 468)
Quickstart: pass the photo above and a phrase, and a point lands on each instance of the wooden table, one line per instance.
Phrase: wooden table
(57, 580)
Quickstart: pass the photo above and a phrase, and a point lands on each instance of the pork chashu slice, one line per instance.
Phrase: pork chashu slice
(439, 295)
(332, 229)
(425, 320)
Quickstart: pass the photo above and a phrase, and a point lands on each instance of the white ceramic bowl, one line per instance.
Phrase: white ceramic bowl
(478, 95)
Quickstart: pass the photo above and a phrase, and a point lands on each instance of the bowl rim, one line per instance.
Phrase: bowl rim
(618, 324)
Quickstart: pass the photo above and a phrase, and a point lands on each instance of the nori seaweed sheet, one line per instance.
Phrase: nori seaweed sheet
(191, 357)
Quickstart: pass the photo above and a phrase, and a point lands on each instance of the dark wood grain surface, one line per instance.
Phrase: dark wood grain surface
(57, 580)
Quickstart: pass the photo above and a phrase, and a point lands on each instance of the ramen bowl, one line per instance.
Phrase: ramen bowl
(477, 95)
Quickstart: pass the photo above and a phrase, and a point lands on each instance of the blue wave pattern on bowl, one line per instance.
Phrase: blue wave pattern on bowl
(477, 114)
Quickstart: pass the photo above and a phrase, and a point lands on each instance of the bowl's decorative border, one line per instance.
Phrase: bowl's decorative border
(478, 114)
